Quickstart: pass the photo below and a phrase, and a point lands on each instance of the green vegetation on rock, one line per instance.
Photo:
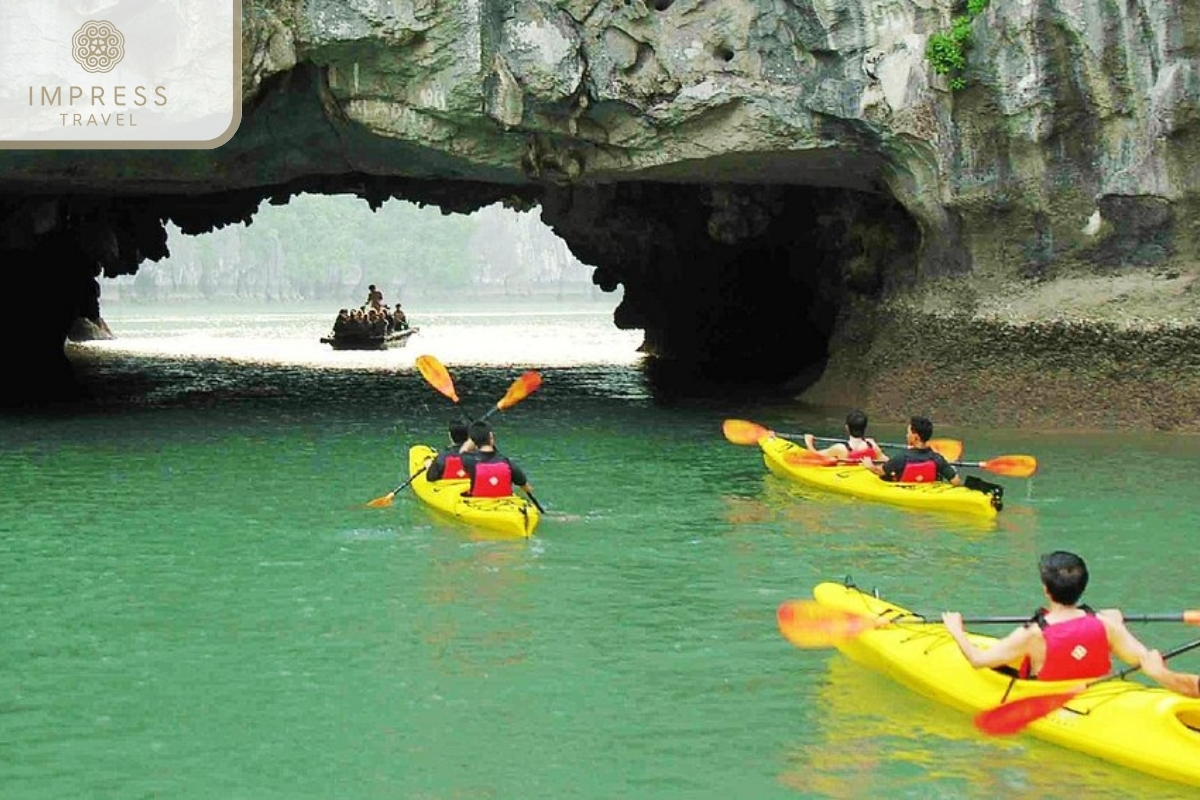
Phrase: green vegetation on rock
(947, 50)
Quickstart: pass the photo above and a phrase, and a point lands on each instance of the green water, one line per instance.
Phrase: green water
(197, 603)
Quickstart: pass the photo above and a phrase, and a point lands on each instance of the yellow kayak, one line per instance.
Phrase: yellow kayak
(858, 481)
(1123, 721)
(511, 516)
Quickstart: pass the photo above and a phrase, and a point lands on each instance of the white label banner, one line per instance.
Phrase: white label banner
(118, 74)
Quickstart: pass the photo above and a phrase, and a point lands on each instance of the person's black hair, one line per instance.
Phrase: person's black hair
(479, 431)
(1064, 575)
(856, 423)
(922, 427)
(459, 430)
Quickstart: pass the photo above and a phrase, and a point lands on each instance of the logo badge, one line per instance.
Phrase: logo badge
(98, 46)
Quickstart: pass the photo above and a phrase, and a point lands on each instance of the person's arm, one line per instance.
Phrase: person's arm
(519, 479)
(1184, 683)
(435, 467)
(1008, 650)
(879, 454)
(1123, 643)
(946, 472)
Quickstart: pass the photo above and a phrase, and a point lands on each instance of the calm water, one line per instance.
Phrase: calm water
(197, 603)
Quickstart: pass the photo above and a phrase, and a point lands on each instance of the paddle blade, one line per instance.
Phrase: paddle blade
(521, 388)
(1011, 718)
(950, 449)
(808, 624)
(743, 431)
(805, 458)
(1012, 466)
(382, 502)
(436, 374)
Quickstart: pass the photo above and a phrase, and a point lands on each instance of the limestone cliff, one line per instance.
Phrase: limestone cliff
(786, 190)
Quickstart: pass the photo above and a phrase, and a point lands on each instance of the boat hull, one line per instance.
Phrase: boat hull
(858, 481)
(389, 342)
(510, 517)
(1126, 722)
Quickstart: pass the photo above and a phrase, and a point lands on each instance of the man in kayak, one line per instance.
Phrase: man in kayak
(491, 474)
(1184, 683)
(857, 447)
(919, 463)
(448, 462)
(1066, 641)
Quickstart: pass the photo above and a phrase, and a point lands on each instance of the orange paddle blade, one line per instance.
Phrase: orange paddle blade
(521, 388)
(805, 458)
(808, 624)
(437, 375)
(950, 449)
(382, 502)
(1192, 617)
(1011, 718)
(743, 431)
(1012, 466)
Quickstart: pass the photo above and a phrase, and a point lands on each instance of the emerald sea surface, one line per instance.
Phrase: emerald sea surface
(197, 602)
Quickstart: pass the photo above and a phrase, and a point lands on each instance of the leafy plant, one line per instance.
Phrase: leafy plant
(946, 51)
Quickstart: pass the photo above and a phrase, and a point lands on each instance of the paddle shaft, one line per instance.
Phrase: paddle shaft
(832, 439)
(412, 478)
(1014, 620)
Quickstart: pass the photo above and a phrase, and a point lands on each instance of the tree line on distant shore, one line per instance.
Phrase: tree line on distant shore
(330, 247)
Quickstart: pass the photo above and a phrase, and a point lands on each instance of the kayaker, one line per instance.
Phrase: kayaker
(858, 445)
(491, 474)
(1066, 641)
(919, 463)
(1185, 683)
(448, 462)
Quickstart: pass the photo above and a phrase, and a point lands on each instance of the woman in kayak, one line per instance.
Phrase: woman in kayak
(1067, 640)
(448, 462)
(857, 447)
(919, 463)
(491, 474)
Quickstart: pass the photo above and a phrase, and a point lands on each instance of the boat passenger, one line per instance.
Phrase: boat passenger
(491, 474)
(341, 323)
(448, 462)
(919, 463)
(399, 319)
(1065, 641)
(374, 298)
(857, 446)
(1184, 683)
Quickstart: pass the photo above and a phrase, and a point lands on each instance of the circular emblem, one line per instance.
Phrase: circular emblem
(98, 46)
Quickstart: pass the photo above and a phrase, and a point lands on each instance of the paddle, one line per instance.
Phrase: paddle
(742, 431)
(439, 377)
(808, 624)
(386, 500)
(436, 374)
(1013, 466)
(1010, 718)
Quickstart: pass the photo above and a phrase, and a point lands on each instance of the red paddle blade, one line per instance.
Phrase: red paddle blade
(437, 376)
(808, 624)
(805, 458)
(1013, 466)
(950, 449)
(521, 388)
(743, 431)
(1011, 718)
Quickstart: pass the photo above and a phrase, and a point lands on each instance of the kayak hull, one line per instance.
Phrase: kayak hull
(858, 481)
(1123, 721)
(510, 517)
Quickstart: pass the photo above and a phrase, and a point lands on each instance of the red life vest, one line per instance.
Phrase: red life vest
(492, 479)
(453, 468)
(860, 454)
(1077, 648)
(919, 472)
